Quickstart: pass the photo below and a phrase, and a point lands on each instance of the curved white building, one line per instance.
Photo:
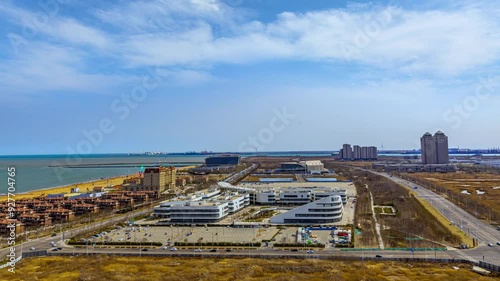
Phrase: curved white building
(326, 210)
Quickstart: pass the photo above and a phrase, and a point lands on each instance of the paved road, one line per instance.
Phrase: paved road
(44, 243)
(469, 224)
(264, 253)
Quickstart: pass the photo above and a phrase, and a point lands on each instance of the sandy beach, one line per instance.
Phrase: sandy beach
(84, 187)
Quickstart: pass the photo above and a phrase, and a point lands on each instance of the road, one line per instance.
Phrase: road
(263, 252)
(469, 224)
(43, 243)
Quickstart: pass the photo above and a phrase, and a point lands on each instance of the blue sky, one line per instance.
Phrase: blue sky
(239, 75)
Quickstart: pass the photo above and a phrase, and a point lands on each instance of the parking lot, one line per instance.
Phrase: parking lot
(168, 235)
(188, 234)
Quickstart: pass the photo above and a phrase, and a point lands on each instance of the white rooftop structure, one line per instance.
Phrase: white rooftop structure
(228, 186)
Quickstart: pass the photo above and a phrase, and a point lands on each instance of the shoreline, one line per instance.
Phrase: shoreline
(84, 187)
(67, 185)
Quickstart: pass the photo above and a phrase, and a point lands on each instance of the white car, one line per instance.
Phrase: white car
(32, 248)
(310, 251)
(198, 250)
(164, 248)
(173, 249)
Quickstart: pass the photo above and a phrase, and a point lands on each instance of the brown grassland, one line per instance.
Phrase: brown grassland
(451, 185)
(413, 219)
(156, 268)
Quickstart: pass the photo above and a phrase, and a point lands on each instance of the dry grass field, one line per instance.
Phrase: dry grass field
(450, 185)
(150, 269)
(413, 219)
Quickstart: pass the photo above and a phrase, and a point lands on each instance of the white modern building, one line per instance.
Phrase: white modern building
(325, 210)
(264, 197)
(319, 193)
(237, 202)
(163, 211)
(203, 207)
(199, 212)
(295, 196)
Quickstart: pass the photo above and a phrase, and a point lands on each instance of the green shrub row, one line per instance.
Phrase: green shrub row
(299, 245)
(223, 244)
(158, 244)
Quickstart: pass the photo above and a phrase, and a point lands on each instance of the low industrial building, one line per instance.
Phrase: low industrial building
(310, 167)
(415, 168)
(223, 160)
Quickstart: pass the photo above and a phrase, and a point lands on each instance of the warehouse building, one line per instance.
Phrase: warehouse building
(310, 167)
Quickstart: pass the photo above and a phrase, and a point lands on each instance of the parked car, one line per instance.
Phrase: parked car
(59, 248)
(498, 243)
(490, 244)
(32, 248)
(53, 235)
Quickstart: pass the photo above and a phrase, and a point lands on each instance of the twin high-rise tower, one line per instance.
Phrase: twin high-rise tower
(434, 149)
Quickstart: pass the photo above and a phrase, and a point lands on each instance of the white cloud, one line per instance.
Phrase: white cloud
(47, 68)
(441, 42)
(186, 36)
(74, 32)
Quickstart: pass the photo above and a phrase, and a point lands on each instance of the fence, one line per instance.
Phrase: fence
(489, 266)
(30, 254)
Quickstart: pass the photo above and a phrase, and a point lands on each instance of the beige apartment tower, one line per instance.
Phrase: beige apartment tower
(434, 149)
(159, 179)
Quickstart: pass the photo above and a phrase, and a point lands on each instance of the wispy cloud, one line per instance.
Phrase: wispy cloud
(187, 36)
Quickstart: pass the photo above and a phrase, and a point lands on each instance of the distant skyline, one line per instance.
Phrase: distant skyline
(236, 75)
